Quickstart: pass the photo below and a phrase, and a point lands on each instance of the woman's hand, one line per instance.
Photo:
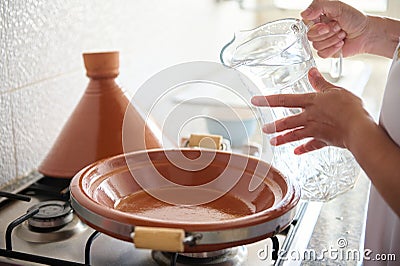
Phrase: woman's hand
(329, 115)
(338, 27)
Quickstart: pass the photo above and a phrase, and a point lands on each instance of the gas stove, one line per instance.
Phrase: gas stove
(39, 227)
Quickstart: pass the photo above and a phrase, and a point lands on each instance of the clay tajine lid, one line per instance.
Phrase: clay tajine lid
(94, 129)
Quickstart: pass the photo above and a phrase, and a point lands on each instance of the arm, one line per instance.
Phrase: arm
(379, 157)
(334, 116)
(383, 36)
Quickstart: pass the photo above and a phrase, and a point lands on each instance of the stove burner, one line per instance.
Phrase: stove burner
(232, 257)
(52, 216)
(73, 228)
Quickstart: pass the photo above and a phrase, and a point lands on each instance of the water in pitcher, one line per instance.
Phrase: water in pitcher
(278, 55)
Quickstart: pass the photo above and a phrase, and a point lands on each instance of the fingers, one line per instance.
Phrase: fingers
(331, 51)
(295, 135)
(328, 40)
(322, 31)
(284, 100)
(332, 9)
(283, 124)
(290, 136)
(318, 82)
(309, 146)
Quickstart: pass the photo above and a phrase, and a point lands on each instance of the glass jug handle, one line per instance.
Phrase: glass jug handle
(335, 70)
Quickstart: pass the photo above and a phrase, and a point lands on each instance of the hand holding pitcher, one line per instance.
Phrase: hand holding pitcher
(343, 29)
(328, 116)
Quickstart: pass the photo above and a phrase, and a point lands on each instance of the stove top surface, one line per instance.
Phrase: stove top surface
(56, 236)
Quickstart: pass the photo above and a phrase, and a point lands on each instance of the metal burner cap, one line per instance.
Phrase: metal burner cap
(52, 215)
(232, 256)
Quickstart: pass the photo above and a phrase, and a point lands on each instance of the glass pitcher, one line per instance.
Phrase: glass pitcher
(277, 56)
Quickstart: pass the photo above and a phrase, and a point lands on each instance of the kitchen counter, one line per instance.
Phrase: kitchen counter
(340, 227)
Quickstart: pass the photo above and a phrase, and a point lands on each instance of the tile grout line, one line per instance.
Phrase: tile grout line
(40, 81)
(14, 137)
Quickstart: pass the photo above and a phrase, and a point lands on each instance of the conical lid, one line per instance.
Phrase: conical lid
(94, 129)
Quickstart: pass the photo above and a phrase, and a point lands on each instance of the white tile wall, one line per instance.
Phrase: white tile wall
(3, 62)
(7, 159)
(39, 114)
(44, 39)
(41, 69)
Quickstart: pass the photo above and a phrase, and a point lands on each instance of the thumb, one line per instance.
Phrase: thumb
(313, 11)
(318, 7)
(317, 81)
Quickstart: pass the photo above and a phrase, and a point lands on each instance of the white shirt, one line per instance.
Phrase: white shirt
(383, 225)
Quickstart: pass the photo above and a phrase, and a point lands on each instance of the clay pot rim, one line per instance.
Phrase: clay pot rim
(100, 52)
